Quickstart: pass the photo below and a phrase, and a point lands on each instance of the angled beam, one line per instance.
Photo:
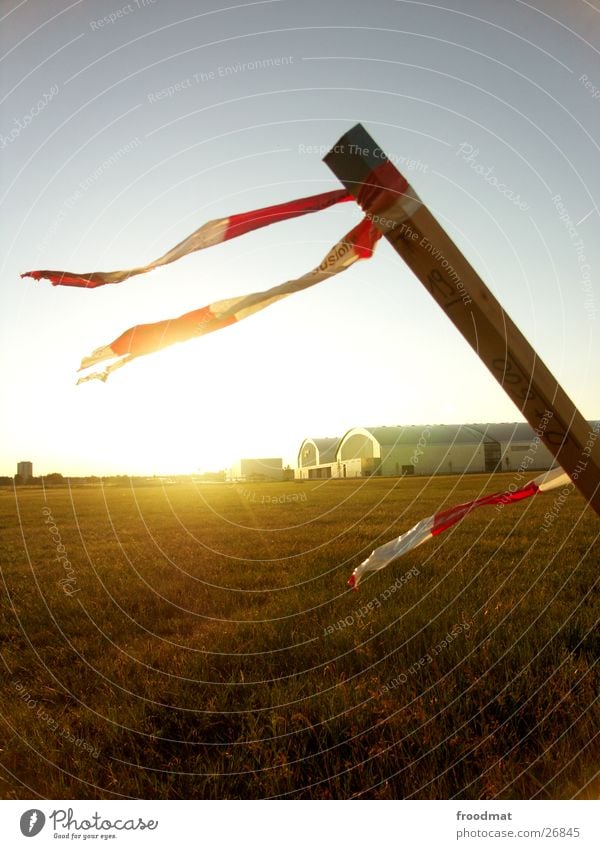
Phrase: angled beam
(393, 206)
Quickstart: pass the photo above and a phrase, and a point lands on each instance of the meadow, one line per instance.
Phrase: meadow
(199, 641)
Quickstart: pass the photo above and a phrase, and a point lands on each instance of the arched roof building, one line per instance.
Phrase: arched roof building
(425, 450)
(317, 452)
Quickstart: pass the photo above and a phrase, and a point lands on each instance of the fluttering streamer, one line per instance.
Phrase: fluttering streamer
(212, 233)
(143, 339)
(433, 525)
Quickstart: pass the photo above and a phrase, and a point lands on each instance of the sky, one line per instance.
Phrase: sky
(157, 116)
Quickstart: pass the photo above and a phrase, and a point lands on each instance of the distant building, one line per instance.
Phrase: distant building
(25, 471)
(424, 450)
(257, 469)
(315, 453)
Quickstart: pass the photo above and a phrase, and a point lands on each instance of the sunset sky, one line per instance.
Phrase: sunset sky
(164, 117)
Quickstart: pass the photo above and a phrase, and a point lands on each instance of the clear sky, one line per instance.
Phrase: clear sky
(111, 172)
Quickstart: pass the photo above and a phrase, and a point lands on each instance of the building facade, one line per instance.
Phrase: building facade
(257, 469)
(25, 470)
(423, 450)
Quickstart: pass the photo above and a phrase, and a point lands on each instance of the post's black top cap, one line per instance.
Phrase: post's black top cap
(354, 155)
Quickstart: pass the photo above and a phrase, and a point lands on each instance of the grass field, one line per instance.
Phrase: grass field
(195, 641)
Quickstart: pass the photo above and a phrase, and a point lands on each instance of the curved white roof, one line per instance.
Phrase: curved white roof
(459, 434)
(323, 450)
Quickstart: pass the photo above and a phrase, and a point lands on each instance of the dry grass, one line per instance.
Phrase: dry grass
(196, 658)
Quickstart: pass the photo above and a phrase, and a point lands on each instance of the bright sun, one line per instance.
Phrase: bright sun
(197, 406)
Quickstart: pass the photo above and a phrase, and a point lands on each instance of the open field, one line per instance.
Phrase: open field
(199, 641)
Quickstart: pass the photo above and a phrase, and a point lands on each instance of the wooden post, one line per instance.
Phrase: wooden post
(395, 209)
